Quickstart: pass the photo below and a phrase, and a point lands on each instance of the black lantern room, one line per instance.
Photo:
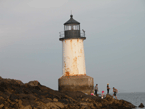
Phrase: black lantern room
(72, 30)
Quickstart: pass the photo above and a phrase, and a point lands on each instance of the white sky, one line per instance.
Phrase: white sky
(114, 49)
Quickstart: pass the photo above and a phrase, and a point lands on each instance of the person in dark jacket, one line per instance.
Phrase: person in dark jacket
(96, 89)
(108, 88)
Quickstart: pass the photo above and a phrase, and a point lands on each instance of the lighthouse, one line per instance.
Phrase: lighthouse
(74, 76)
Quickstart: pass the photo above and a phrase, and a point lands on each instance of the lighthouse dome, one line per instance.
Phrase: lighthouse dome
(71, 21)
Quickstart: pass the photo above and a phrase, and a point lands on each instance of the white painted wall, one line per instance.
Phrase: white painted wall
(73, 57)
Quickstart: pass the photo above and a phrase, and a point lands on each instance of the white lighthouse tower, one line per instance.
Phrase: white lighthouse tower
(74, 71)
(73, 49)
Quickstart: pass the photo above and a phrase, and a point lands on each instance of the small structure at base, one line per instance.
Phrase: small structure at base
(84, 84)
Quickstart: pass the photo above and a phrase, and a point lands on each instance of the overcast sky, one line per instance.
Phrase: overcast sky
(114, 47)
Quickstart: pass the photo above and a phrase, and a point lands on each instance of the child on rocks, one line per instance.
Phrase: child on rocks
(102, 95)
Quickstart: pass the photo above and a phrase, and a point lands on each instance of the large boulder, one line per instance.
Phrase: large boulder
(33, 83)
(141, 105)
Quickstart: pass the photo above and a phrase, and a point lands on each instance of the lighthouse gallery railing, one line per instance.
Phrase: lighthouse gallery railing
(62, 34)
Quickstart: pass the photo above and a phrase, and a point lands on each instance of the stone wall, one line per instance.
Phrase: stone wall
(76, 83)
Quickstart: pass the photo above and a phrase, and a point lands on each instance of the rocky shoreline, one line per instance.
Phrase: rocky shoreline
(14, 94)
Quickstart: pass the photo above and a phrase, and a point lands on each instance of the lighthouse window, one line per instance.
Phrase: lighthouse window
(67, 27)
(74, 27)
(77, 27)
(71, 27)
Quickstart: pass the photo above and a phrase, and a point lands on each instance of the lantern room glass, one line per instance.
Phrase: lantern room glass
(71, 27)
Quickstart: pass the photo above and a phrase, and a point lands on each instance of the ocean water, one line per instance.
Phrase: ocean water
(135, 98)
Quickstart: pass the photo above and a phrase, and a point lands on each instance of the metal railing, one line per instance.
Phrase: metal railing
(62, 34)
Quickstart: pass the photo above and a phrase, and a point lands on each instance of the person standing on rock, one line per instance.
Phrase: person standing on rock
(108, 88)
(96, 89)
(115, 92)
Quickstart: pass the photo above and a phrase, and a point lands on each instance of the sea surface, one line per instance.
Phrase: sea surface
(135, 98)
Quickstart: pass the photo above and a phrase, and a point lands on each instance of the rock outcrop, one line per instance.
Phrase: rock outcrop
(14, 94)
(141, 105)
